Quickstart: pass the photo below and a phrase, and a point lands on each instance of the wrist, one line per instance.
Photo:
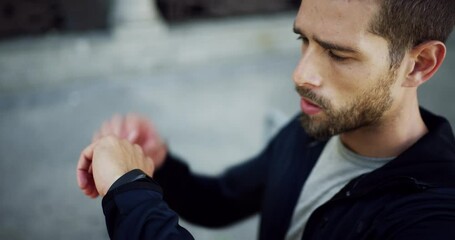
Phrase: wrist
(131, 176)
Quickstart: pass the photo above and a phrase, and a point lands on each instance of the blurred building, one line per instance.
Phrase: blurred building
(19, 17)
(179, 10)
(25, 17)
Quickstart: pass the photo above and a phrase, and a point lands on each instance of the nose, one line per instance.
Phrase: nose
(307, 72)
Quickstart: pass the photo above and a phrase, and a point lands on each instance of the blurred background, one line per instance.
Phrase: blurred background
(213, 75)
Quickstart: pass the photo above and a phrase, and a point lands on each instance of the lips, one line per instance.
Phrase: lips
(309, 107)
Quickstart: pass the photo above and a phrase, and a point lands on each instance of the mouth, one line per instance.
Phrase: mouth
(309, 107)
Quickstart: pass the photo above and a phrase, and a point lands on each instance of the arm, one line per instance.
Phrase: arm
(438, 228)
(428, 215)
(208, 201)
(136, 210)
(215, 201)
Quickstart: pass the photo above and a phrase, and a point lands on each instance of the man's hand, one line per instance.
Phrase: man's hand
(138, 130)
(106, 160)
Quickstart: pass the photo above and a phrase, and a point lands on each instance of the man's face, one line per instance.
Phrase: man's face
(343, 75)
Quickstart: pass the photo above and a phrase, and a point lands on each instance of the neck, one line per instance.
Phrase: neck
(397, 131)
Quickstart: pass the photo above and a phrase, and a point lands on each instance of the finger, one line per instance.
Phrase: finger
(151, 167)
(116, 125)
(84, 173)
(146, 128)
(132, 127)
(92, 192)
(83, 166)
(150, 146)
(90, 189)
(133, 136)
(152, 136)
(124, 131)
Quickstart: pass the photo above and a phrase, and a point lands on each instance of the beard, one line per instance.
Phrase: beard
(365, 109)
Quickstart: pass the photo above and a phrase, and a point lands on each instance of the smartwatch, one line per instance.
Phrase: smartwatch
(135, 175)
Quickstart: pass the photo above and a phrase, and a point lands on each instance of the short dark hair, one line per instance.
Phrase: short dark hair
(408, 23)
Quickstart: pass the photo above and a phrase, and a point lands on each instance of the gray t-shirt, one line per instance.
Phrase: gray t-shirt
(336, 166)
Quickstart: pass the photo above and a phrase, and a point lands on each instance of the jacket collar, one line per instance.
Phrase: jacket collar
(429, 162)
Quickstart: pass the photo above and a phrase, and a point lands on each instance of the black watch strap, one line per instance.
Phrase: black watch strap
(131, 176)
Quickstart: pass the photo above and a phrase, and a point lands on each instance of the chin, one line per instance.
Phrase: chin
(317, 127)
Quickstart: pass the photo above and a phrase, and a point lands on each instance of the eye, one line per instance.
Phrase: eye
(303, 39)
(336, 57)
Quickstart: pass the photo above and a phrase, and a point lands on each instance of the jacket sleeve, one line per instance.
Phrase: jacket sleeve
(441, 228)
(221, 200)
(136, 210)
(428, 215)
(214, 201)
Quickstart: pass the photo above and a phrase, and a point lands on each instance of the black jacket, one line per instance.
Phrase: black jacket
(411, 197)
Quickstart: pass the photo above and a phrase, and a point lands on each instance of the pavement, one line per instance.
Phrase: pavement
(216, 90)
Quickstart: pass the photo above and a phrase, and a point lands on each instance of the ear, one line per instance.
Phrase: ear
(424, 61)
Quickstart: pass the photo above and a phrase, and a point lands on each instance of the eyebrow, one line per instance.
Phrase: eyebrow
(327, 44)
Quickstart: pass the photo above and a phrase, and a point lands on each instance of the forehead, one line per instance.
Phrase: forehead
(339, 20)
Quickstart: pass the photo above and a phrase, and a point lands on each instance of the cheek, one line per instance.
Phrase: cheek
(396, 91)
(344, 87)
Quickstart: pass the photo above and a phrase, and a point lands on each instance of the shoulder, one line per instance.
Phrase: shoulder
(426, 215)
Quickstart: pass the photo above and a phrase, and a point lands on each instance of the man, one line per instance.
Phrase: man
(367, 164)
